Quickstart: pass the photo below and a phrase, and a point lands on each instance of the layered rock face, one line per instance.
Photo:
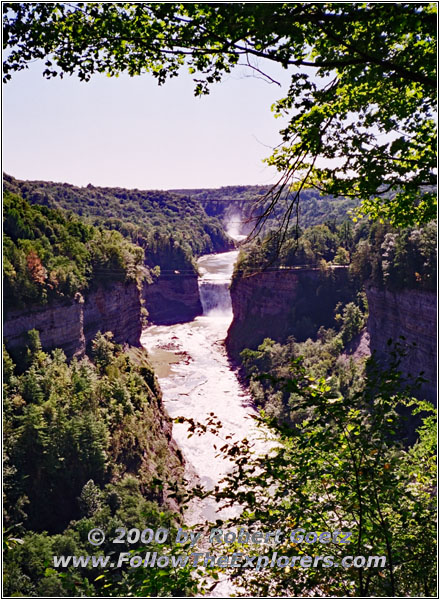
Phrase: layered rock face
(116, 309)
(72, 325)
(60, 325)
(172, 299)
(282, 303)
(411, 314)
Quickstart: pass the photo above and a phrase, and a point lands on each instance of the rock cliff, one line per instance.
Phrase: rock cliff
(172, 298)
(411, 314)
(60, 325)
(282, 303)
(71, 325)
(116, 308)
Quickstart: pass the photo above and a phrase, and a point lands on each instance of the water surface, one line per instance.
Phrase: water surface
(202, 380)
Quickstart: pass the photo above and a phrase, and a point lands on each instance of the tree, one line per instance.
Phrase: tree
(343, 466)
(352, 320)
(90, 500)
(362, 94)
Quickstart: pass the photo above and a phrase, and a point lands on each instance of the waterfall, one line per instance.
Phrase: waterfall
(214, 296)
(234, 227)
(215, 277)
(198, 380)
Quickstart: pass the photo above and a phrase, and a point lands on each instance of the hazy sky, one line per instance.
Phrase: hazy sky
(130, 132)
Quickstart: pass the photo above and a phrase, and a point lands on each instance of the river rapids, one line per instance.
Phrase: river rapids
(197, 379)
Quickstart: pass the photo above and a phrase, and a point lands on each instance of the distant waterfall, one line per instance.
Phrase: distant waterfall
(234, 227)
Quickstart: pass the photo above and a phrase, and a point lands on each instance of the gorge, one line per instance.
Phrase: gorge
(236, 384)
(197, 379)
(274, 303)
(191, 340)
(408, 317)
(71, 325)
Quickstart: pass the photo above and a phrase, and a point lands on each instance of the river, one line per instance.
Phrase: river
(197, 379)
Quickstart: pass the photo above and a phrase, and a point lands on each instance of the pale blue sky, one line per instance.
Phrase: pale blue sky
(129, 132)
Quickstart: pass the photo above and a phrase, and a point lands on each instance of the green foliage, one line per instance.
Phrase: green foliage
(68, 424)
(250, 202)
(29, 565)
(50, 254)
(352, 321)
(321, 357)
(343, 465)
(86, 445)
(172, 229)
(90, 498)
(342, 257)
(402, 259)
(300, 248)
(396, 259)
(361, 103)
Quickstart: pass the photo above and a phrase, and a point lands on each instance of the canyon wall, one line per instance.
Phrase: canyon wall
(413, 315)
(116, 307)
(71, 325)
(172, 298)
(282, 303)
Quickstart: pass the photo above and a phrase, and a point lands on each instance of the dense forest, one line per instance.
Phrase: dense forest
(93, 435)
(173, 229)
(251, 202)
(176, 225)
(394, 258)
(50, 254)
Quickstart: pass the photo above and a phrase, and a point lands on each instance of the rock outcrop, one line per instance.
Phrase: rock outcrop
(282, 303)
(172, 298)
(410, 314)
(71, 325)
(116, 308)
(60, 325)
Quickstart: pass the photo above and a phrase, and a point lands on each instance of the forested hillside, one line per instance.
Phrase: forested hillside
(321, 315)
(49, 254)
(175, 225)
(92, 433)
(342, 457)
(173, 229)
(389, 257)
(84, 442)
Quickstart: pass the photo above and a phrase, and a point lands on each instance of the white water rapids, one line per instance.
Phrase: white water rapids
(197, 379)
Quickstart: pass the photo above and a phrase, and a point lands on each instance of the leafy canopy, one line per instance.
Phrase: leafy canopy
(362, 98)
(342, 464)
(51, 254)
(86, 445)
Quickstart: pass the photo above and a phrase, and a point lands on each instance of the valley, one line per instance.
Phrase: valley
(236, 383)
(202, 380)
(149, 337)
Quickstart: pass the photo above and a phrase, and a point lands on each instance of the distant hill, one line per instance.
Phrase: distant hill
(172, 228)
(176, 226)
